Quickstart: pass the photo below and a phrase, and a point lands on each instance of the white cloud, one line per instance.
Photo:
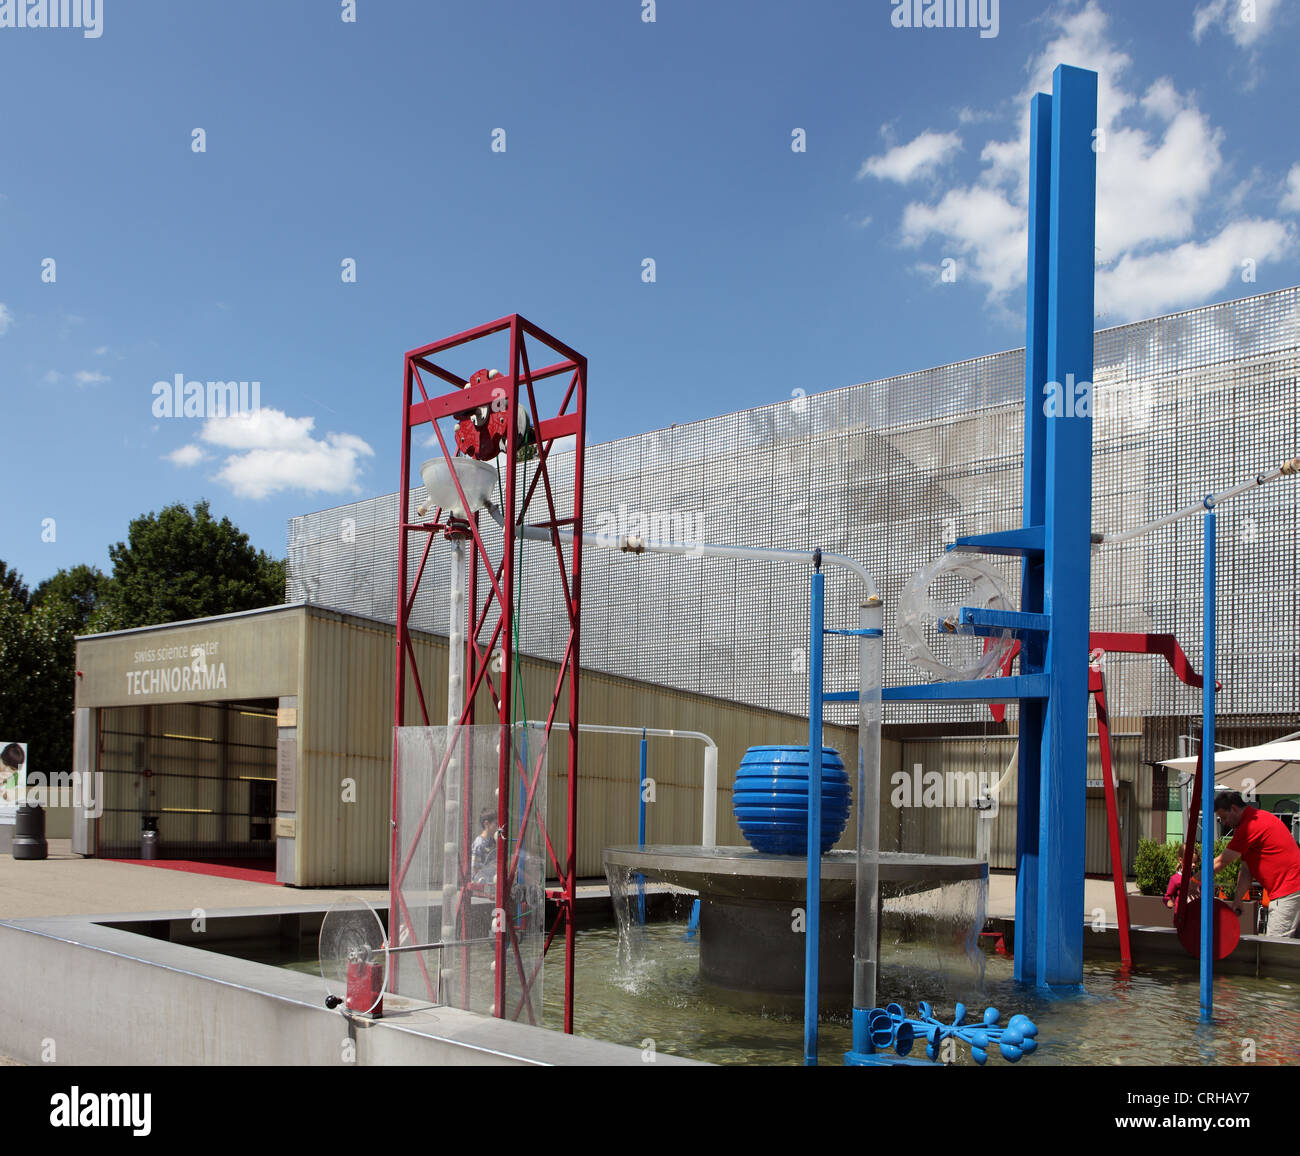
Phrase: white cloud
(1246, 23)
(984, 227)
(52, 377)
(1290, 202)
(100, 350)
(1148, 190)
(1159, 168)
(262, 429)
(276, 452)
(6, 319)
(917, 158)
(90, 377)
(189, 455)
(1186, 275)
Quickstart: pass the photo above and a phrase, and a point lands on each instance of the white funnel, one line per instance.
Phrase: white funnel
(478, 480)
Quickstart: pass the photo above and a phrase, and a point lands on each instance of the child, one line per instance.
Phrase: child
(1176, 882)
(482, 863)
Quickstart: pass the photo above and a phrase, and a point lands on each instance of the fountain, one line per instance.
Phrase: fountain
(752, 936)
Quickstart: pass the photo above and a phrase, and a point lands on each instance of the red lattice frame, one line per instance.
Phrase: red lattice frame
(495, 582)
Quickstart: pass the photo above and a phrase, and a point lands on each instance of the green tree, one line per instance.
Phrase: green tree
(12, 581)
(83, 589)
(179, 564)
(37, 679)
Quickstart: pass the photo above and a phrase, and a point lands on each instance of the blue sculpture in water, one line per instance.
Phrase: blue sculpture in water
(890, 1028)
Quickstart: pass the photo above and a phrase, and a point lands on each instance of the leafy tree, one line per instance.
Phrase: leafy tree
(12, 581)
(37, 679)
(83, 589)
(179, 564)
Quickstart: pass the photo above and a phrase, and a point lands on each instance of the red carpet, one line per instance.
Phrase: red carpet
(249, 870)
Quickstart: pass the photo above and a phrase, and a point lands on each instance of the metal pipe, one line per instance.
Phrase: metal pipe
(1207, 778)
(813, 877)
(640, 831)
(635, 544)
(710, 834)
(1203, 506)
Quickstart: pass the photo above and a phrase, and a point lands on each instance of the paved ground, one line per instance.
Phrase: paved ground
(1096, 893)
(66, 884)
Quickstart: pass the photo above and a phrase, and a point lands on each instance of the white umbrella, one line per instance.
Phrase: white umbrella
(1270, 769)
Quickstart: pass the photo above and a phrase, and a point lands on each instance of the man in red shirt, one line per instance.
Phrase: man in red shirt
(1268, 853)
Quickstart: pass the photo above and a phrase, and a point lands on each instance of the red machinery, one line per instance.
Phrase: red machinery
(492, 412)
(1101, 642)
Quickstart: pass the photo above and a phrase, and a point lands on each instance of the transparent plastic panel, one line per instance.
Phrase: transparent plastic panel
(471, 890)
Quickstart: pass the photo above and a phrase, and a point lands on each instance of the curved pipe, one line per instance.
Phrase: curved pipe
(710, 818)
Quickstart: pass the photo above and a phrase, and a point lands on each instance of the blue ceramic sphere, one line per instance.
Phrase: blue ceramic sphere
(770, 799)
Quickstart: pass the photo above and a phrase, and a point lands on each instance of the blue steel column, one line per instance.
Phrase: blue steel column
(1034, 498)
(1207, 779)
(813, 888)
(640, 833)
(1068, 529)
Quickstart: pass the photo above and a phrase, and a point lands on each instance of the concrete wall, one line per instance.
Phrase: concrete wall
(79, 993)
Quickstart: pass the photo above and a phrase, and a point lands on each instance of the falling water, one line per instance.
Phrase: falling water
(930, 942)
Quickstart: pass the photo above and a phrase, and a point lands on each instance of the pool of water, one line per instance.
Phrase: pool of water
(1148, 1016)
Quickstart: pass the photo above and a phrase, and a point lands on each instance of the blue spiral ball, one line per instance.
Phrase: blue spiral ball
(770, 799)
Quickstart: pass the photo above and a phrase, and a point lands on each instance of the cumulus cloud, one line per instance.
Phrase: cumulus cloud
(90, 377)
(987, 229)
(274, 452)
(189, 455)
(1245, 23)
(1159, 169)
(6, 319)
(917, 158)
(1165, 280)
(1290, 202)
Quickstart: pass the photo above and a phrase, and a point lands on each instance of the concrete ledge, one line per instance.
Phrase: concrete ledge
(1257, 955)
(102, 995)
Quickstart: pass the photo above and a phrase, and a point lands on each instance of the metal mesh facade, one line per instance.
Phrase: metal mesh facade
(889, 472)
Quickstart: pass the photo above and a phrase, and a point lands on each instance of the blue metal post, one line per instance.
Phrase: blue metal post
(640, 834)
(1033, 648)
(1067, 529)
(1207, 780)
(813, 890)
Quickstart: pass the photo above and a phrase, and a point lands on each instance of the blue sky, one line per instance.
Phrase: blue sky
(625, 139)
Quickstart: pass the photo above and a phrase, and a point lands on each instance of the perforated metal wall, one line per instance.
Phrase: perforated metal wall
(888, 472)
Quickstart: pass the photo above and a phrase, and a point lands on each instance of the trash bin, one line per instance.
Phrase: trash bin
(149, 838)
(29, 833)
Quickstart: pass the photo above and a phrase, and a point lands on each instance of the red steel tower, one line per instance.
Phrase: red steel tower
(498, 417)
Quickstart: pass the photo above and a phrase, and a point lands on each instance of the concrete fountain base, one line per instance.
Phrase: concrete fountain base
(751, 942)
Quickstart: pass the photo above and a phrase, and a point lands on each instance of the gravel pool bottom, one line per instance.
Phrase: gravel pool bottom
(1149, 1016)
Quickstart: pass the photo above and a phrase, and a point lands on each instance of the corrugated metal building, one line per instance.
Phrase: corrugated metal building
(269, 734)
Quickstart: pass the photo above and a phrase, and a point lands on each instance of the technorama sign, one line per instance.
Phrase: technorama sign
(158, 670)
